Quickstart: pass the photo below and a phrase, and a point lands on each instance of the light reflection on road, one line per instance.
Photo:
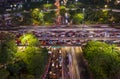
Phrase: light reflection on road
(71, 52)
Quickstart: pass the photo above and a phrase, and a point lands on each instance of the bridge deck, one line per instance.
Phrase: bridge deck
(79, 38)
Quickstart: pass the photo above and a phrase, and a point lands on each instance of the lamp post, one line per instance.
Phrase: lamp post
(118, 1)
(11, 7)
(106, 6)
(47, 1)
(62, 2)
(83, 15)
(25, 0)
(76, 1)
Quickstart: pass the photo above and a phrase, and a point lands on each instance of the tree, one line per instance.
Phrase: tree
(49, 17)
(16, 20)
(103, 60)
(37, 16)
(27, 77)
(33, 56)
(4, 74)
(27, 19)
(48, 6)
(78, 18)
(8, 48)
(62, 10)
(98, 16)
(29, 39)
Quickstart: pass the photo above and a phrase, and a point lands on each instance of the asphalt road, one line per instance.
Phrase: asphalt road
(72, 62)
(77, 67)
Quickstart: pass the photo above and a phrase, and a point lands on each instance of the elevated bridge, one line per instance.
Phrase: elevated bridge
(72, 36)
(75, 41)
(79, 38)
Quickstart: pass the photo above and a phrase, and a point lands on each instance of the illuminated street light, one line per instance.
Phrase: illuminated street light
(11, 6)
(62, 2)
(118, 1)
(15, 5)
(83, 14)
(76, 1)
(25, 0)
(47, 1)
(106, 6)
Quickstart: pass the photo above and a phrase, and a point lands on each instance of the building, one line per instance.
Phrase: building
(2, 2)
(118, 1)
(32, 0)
(8, 5)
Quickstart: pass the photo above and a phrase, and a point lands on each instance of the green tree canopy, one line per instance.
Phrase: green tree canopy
(29, 39)
(78, 18)
(62, 10)
(8, 48)
(48, 6)
(103, 60)
(37, 16)
(4, 74)
(32, 55)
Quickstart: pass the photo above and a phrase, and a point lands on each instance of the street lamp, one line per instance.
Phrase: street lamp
(62, 2)
(83, 14)
(11, 5)
(106, 6)
(15, 5)
(25, 0)
(47, 1)
(76, 1)
(118, 1)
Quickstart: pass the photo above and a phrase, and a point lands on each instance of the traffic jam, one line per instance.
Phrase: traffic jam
(72, 37)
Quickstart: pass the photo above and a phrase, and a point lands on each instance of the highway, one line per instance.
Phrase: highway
(69, 36)
(67, 61)
(77, 38)
(71, 67)
(67, 27)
